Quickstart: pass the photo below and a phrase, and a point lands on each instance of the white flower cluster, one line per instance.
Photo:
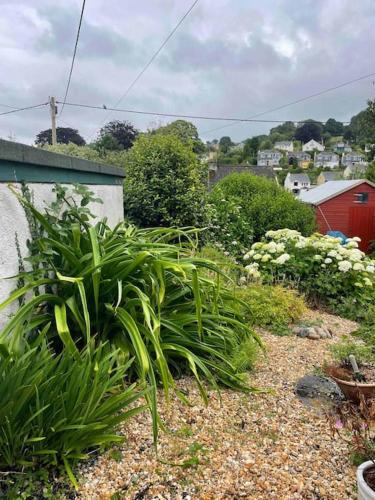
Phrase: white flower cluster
(285, 247)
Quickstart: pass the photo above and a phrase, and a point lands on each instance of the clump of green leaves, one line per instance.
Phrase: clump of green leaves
(55, 408)
(137, 290)
(341, 351)
(271, 306)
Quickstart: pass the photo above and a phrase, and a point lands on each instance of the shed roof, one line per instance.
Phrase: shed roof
(329, 190)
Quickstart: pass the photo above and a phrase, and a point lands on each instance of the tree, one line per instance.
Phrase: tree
(225, 144)
(186, 131)
(65, 135)
(310, 129)
(251, 148)
(165, 184)
(118, 135)
(333, 127)
(370, 172)
(114, 158)
(283, 132)
(362, 125)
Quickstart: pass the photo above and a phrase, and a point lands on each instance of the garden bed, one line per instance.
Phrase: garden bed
(266, 445)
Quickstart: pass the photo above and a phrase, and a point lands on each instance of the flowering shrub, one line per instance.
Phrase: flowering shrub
(320, 266)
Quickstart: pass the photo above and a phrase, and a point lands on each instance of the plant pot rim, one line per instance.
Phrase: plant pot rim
(361, 480)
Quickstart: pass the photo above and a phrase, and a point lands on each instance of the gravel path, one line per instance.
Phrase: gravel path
(258, 446)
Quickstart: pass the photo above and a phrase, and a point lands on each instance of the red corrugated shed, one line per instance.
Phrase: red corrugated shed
(351, 210)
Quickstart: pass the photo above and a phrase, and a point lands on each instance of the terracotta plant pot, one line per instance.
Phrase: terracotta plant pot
(354, 390)
(364, 490)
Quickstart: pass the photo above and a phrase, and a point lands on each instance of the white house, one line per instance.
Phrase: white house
(353, 159)
(284, 145)
(326, 159)
(296, 183)
(342, 147)
(268, 158)
(313, 145)
(356, 171)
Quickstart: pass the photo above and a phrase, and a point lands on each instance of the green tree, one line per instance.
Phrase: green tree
(251, 148)
(117, 135)
(362, 125)
(165, 184)
(285, 131)
(186, 131)
(310, 129)
(114, 158)
(225, 144)
(64, 135)
(333, 127)
(370, 172)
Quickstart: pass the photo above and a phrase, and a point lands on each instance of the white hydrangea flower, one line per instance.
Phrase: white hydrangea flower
(328, 261)
(357, 239)
(344, 266)
(318, 257)
(358, 284)
(370, 269)
(367, 282)
(358, 266)
(332, 253)
(266, 257)
(257, 256)
(282, 258)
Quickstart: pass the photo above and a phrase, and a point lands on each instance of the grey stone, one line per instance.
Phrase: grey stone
(313, 335)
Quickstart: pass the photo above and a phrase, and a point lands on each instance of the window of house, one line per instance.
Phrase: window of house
(361, 197)
(295, 183)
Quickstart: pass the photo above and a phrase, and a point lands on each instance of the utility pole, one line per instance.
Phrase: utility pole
(53, 108)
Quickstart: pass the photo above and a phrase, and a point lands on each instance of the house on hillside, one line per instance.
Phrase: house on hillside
(303, 158)
(324, 177)
(218, 172)
(326, 159)
(357, 171)
(353, 158)
(284, 145)
(342, 147)
(296, 183)
(312, 146)
(346, 206)
(269, 158)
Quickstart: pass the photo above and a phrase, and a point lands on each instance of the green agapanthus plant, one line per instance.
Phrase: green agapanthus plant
(141, 290)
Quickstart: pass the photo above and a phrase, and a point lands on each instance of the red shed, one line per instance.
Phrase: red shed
(346, 206)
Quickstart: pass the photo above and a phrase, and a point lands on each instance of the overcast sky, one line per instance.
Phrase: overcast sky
(229, 58)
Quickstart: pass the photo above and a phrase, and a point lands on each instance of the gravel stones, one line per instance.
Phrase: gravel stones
(265, 445)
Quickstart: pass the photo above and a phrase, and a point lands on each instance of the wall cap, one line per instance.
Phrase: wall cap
(30, 155)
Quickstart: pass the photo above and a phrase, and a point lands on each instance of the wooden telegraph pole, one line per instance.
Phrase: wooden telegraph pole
(53, 108)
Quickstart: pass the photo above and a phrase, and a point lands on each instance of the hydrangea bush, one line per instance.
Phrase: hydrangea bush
(326, 270)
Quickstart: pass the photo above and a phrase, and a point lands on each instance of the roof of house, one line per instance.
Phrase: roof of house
(331, 176)
(359, 167)
(296, 154)
(313, 141)
(298, 177)
(268, 151)
(327, 153)
(329, 190)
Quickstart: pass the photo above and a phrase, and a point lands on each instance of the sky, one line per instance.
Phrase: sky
(231, 58)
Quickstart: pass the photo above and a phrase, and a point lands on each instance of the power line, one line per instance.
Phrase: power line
(23, 109)
(154, 56)
(74, 55)
(7, 106)
(302, 99)
(176, 115)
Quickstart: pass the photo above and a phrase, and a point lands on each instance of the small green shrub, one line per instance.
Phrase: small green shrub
(56, 408)
(271, 306)
(340, 351)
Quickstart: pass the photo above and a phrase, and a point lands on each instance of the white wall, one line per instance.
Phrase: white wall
(13, 220)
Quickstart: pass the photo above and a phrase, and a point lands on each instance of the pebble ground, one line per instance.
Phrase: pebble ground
(259, 446)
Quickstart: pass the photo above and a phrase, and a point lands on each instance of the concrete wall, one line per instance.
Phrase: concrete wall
(32, 167)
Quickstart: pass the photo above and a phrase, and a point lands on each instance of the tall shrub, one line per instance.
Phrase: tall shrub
(165, 184)
(259, 205)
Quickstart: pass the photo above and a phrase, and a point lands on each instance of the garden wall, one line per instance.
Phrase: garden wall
(40, 170)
